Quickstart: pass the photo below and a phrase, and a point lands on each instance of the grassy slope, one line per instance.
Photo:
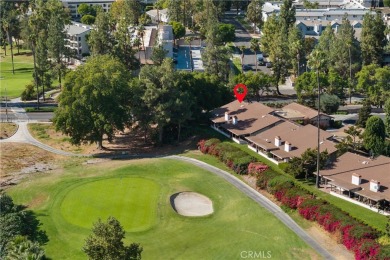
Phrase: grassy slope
(15, 83)
(238, 223)
(367, 216)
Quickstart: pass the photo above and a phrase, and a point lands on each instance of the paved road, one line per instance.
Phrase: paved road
(261, 200)
(243, 38)
(41, 116)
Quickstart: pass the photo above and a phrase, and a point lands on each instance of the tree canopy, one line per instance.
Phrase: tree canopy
(86, 112)
(374, 135)
(106, 242)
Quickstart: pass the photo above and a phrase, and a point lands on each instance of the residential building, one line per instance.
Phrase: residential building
(303, 115)
(159, 15)
(74, 4)
(287, 140)
(76, 39)
(360, 180)
(310, 28)
(239, 120)
(331, 14)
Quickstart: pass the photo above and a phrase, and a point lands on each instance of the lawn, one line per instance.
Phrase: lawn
(137, 193)
(15, 83)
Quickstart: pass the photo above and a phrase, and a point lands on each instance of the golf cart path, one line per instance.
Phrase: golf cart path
(22, 135)
(261, 200)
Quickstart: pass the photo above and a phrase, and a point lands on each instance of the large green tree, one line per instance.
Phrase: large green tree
(123, 48)
(373, 39)
(375, 82)
(301, 167)
(101, 40)
(106, 242)
(254, 13)
(59, 17)
(257, 83)
(94, 101)
(325, 44)
(345, 51)
(374, 135)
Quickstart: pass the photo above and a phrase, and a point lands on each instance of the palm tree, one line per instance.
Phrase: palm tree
(316, 61)
(8, 22)
(242, 49)
(141, 33)
(255, 46)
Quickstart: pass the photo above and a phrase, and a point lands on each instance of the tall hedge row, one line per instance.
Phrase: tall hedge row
(356, 236)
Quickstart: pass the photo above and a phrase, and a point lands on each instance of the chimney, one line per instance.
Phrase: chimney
(375, 186)
(287, 146)
(278, 141)
(356, 179)
(235, 120)
(226, 116)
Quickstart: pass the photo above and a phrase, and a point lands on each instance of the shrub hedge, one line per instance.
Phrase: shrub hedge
(356, 236)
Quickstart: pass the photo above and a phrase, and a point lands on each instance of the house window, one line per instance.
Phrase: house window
(104, 5)
(328, 15)
(310, 28)
(354, 16)
(79, 38)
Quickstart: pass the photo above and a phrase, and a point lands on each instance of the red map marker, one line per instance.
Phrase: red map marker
(240, 96)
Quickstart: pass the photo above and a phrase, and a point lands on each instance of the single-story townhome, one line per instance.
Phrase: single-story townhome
(303, 114)
(238, 120)
(287, 140)
(360, 180)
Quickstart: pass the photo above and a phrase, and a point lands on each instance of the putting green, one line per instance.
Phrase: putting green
(133, 201)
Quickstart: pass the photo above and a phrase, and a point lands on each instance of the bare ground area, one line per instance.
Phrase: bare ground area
(128, 142)
(7, 130)
(328, 241)
(18, 160)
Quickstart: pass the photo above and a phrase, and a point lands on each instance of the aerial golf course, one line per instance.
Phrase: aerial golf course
(137, 193)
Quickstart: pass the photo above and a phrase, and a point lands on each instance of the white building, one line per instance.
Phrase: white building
(310, 28)
(74, 4)
(159, 15)
(76, 38)
(331, 14)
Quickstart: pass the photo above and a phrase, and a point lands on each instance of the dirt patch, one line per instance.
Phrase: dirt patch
(128, 142)
(19, 160)
(191, 204)
(7, 130)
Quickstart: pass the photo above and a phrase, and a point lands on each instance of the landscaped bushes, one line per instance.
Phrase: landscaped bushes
(233, 157)
(357, 237)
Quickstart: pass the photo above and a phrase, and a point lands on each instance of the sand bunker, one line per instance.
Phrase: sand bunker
(191, 204)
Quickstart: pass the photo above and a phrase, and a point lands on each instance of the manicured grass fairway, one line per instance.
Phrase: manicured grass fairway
(68, 202)
(87, 202)
(15, 83)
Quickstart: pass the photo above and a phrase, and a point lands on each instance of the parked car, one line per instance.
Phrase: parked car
(268, 65)
(261, 63)
(246, 67)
